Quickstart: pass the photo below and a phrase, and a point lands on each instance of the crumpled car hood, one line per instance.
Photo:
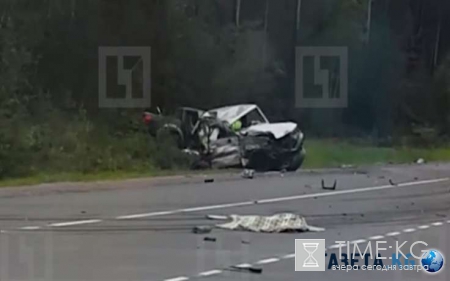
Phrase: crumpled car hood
(278, 130)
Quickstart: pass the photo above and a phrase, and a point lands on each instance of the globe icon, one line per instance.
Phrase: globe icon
(432, 261)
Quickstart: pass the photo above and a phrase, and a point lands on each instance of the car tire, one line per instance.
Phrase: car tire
(296, 161)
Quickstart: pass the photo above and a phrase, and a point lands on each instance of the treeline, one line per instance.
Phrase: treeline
(207, 53)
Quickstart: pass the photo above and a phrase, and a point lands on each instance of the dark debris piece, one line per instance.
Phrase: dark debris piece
(329, 187)
(202, 229)
(210, 239)
(247, 269)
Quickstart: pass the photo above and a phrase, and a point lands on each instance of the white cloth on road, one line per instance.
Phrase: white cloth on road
(285, 222)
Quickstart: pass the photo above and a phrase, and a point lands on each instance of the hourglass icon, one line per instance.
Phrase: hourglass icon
(311, 248)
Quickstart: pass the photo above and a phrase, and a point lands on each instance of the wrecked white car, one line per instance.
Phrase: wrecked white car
(235, 136)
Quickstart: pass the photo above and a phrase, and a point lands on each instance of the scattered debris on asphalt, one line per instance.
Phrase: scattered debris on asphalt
(285, 222)
(391, 182)
(201, 229)
(248, 174)
(210, 239)
(248, 269)
(245, 242)
(416, 178)
(209, 180)
(329, 187)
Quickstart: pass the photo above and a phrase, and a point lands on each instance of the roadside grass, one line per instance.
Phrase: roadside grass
(334, 153)
(100, 176)
(320, 154)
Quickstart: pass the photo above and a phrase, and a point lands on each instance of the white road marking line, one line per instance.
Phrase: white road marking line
(438, 223)
(288, 256)
(395, 233)
(181, 278)
(357, 190)
(409, 230)
(377, 237)
(358, 241)
(423, 227)
(336, 246)
(71, 223)
(244, 265)
(209, 273)
(30, 228)
(279, 199)
(448, 221)
(139, 216)
(267, 261)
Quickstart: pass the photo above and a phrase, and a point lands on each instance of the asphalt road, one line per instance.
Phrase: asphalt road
(141, 230)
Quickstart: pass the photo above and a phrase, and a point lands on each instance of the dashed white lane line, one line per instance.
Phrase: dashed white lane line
(30, 228)
(210, 273)
(244, 265)
(292, 255)
(280, 199)
(139, 216)
(267, 261)
(181, 278)
(72, 223)
(395, 233)
(376, 237)
(288, 256)
(336, 246)
(358, 241)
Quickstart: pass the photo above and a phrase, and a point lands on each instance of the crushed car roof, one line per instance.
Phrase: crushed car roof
(233, 113)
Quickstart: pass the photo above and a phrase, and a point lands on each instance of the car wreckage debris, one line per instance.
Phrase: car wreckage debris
(391, 182)
(236, 136)
(255, 270)
(329, 187)
(248, 174)
(201, 229)
(209, 180)
(278, 223)
(210, 239)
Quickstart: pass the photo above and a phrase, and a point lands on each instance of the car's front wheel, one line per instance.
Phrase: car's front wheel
(296, 161)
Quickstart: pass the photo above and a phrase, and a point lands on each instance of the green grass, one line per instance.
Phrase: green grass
(334, 153)
(99, 176)
(320, 154)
